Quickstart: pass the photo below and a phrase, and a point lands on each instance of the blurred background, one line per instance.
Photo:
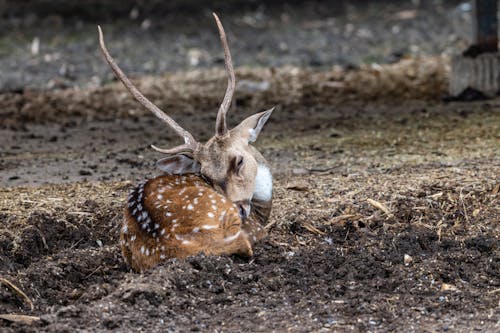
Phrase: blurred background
(53, 43)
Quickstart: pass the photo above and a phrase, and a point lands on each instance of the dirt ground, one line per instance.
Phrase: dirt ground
(332, 260)
(386, 200)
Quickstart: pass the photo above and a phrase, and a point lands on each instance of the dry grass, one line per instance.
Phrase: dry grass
(78, 200)
(455, 202)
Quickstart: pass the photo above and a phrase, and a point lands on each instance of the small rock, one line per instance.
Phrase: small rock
(448, 287)
(300, 171)
(407, 259)
(84, 173)
(298, 186)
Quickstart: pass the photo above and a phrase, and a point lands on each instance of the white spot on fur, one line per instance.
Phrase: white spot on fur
(185, 242)
(263, 184)
(142, 249)
(125, 229)
(209, 226)
(133, 238)
(232, 238)
(210, 214)
(159, 197)
(196, 229)
(190, 207)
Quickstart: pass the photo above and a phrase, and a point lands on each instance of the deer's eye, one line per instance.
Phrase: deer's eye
(237, 164)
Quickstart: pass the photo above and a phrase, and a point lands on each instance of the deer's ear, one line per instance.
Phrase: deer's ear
(250, 128)
(178, 165)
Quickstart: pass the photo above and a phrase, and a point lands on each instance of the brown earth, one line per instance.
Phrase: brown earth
(386, 217)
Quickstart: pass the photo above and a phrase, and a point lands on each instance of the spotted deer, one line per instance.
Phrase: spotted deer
(213, 198)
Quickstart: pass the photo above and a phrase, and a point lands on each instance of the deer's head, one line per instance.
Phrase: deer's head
(226, 160)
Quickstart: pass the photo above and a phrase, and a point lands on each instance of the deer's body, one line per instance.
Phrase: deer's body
(174, 216)
(214, 197)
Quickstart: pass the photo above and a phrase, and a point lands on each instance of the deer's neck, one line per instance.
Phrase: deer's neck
(263, 184)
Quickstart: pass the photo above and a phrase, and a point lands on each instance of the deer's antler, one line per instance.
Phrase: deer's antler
(190, 144)
(220, 124)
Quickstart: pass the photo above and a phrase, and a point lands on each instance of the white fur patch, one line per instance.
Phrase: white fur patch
(263, 184)
(252, 135)
(232, 238)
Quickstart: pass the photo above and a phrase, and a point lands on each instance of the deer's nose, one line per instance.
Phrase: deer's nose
(244, 208)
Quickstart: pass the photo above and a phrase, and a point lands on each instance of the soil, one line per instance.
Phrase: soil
(386, 212)
(332, 260)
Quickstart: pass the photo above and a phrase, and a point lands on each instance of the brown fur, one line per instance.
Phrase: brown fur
(201, 221)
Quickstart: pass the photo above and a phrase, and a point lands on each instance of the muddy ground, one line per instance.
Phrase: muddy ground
(386, 205)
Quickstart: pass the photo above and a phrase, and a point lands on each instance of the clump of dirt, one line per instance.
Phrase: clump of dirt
(43, 221)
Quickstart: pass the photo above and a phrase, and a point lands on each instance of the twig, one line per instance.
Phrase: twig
(380, 206)
(341, 218)
(270, 224)
(81, 213)
(93, 272)
(461, 197)
(19, 318)
(18, 291)
(312, 228)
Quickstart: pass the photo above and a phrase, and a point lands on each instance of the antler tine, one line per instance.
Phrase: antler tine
(185, 148)
(190, 143)
(220, 125)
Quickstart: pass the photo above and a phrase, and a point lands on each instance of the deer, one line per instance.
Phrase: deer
(212, 198)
